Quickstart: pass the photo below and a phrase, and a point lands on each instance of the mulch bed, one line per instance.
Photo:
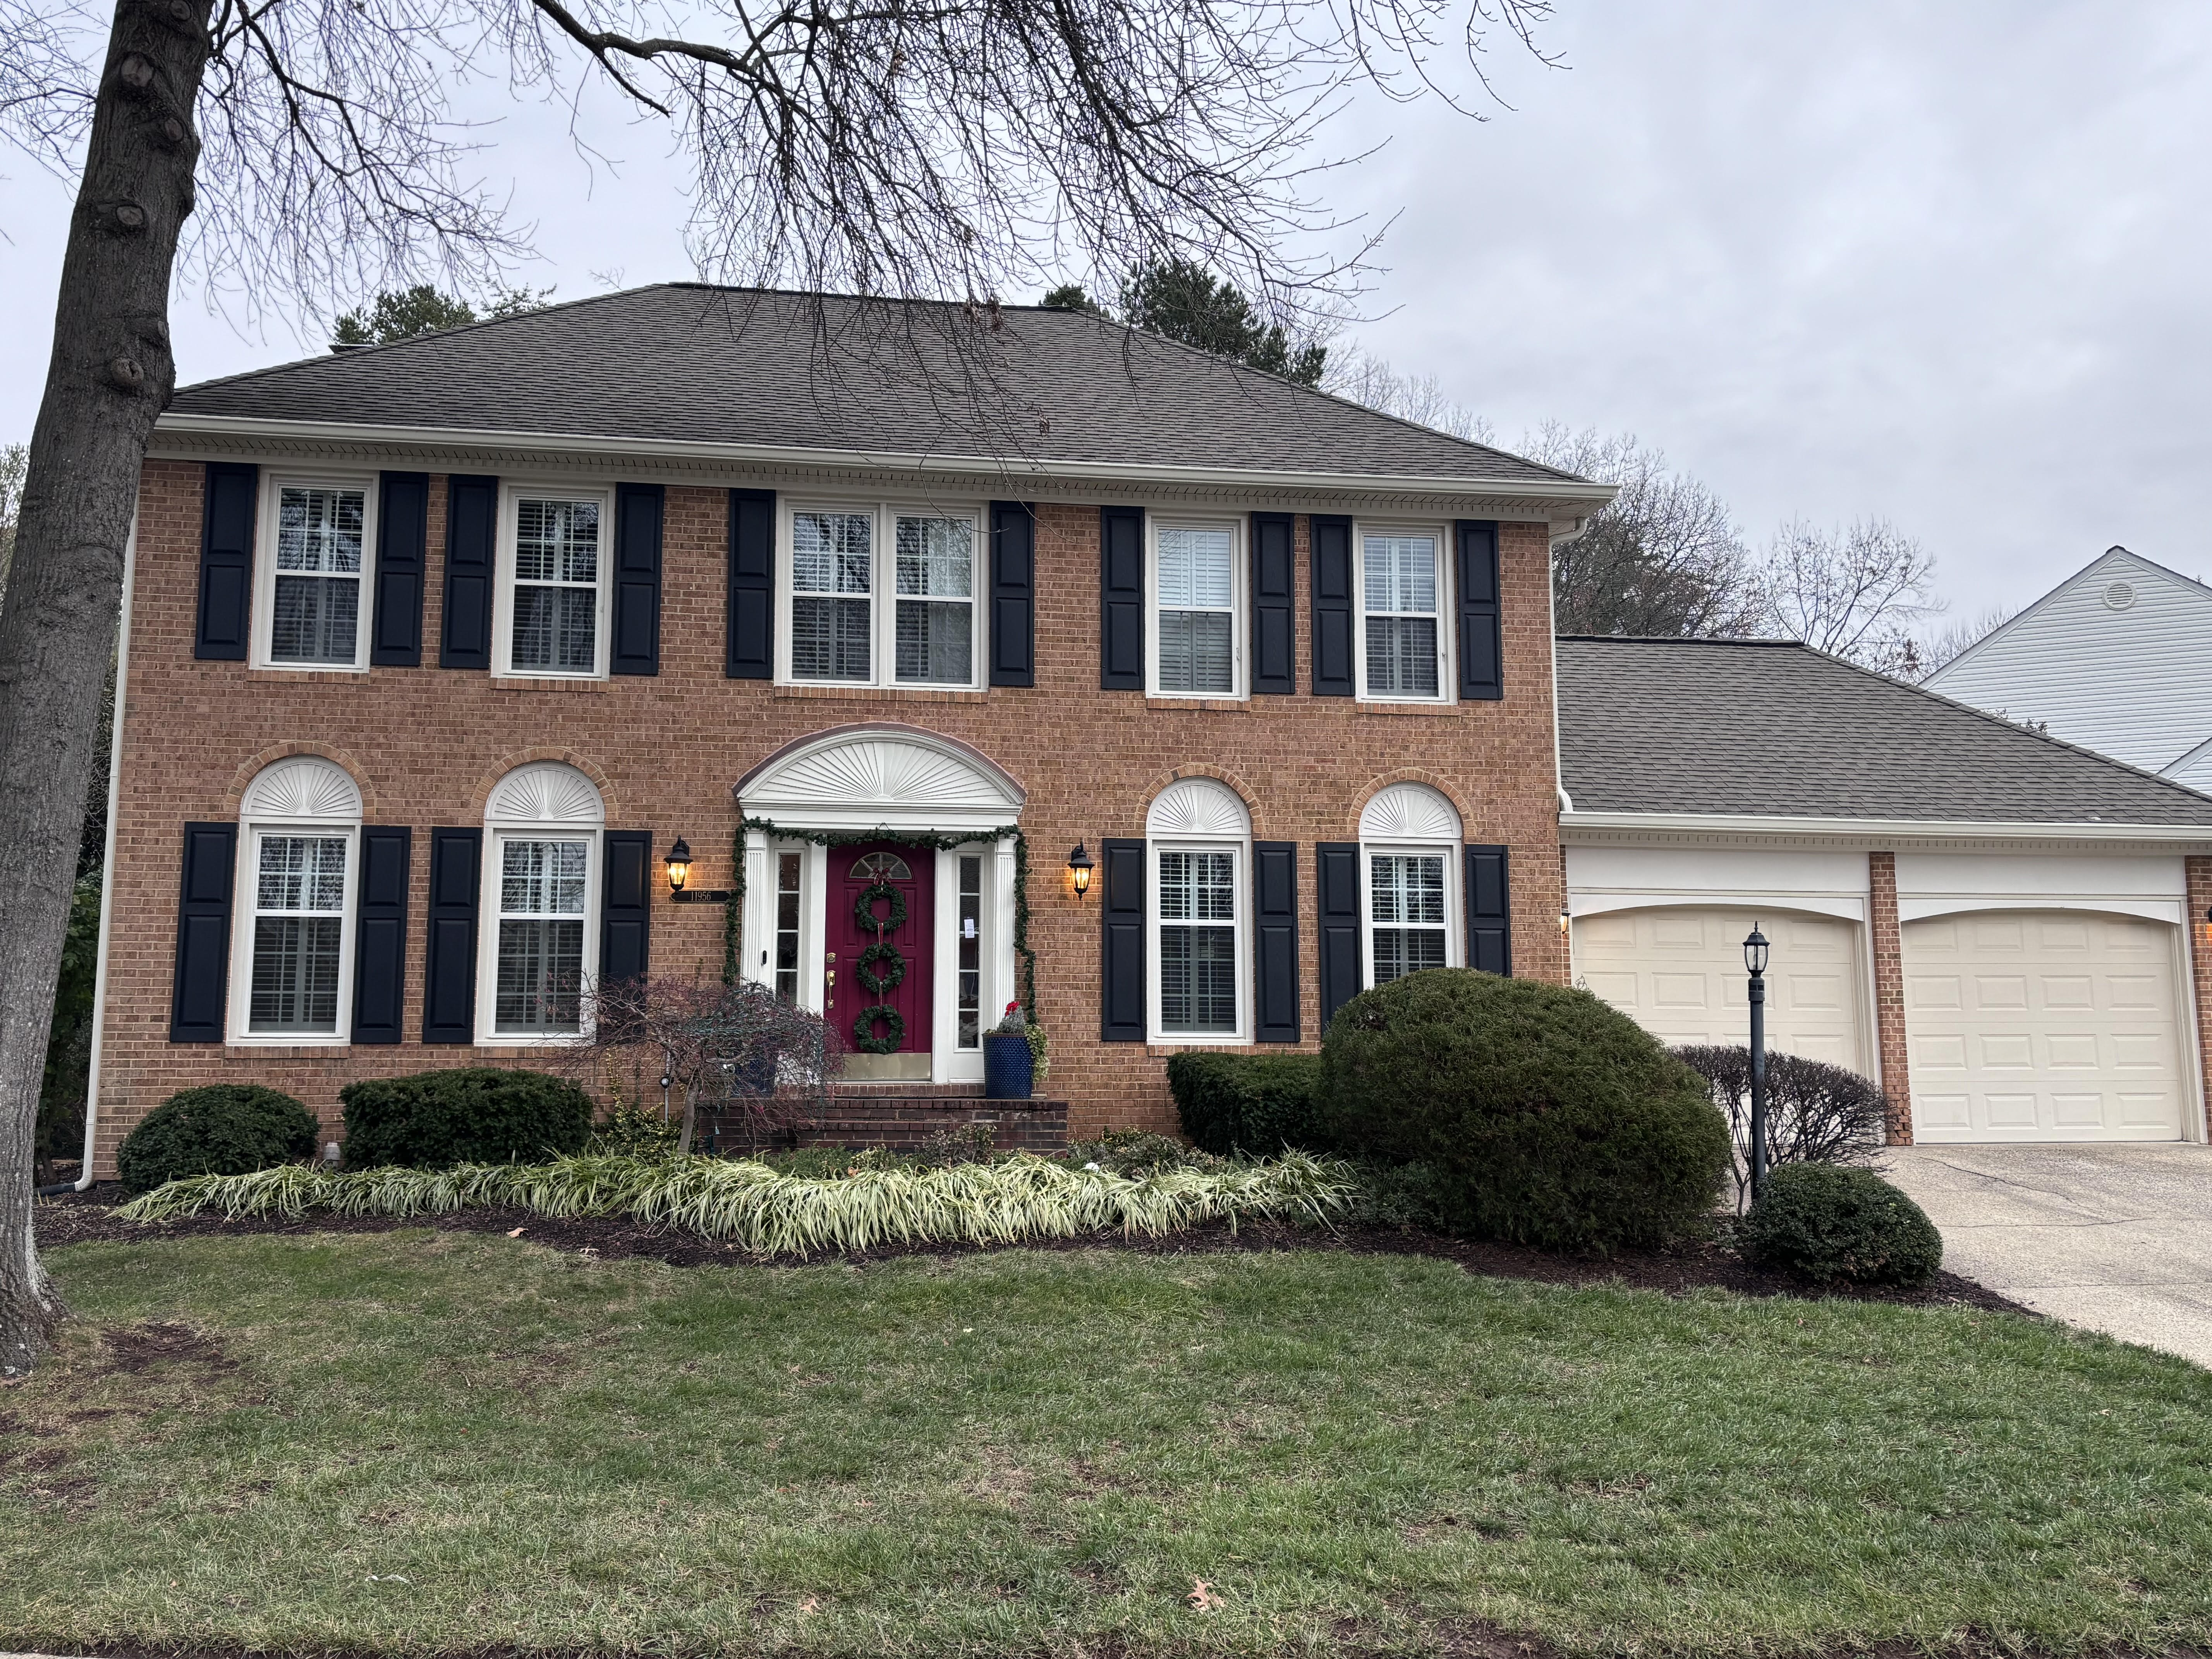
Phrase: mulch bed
(84, 1218)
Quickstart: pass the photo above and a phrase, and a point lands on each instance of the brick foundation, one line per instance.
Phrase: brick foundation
(1888, 965)
(904, 1122)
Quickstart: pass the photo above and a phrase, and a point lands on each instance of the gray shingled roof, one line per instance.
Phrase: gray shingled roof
(689, 362)
(1776, 729)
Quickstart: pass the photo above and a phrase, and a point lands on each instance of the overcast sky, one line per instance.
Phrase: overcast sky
(1942, 264)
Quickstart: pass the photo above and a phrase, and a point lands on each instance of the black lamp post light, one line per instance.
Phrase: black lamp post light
(680, 891)
(1755, 951)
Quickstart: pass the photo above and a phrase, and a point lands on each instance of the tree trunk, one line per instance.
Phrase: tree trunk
(110, 374)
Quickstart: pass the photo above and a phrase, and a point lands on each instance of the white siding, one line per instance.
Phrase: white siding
(2135, 684)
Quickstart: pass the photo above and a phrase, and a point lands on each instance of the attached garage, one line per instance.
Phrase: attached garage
(1679, 972)
(2045, 1025)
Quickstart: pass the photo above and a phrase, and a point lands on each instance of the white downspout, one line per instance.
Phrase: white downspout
(1559, 771)
(107, 857)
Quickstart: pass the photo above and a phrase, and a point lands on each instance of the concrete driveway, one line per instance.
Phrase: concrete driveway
(2113, 1238)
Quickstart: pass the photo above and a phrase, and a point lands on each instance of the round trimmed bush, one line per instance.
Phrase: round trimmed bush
(226, 1129)
(472, 1114)
(1827, 1224)
(1548, 1116)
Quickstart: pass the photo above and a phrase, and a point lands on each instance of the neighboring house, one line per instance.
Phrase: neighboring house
(432, 650)
(2009, 931)
(2114, 659)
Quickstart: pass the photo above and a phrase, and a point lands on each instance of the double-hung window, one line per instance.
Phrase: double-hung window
(1197, 645)
(1198, 943)
(550, 617)
(544, 889)
(1401, 594)
(1407, 913)
(298, 933)
(314, 565)
(883, 596)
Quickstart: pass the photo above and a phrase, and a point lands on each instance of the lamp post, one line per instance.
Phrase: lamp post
(1754, 958)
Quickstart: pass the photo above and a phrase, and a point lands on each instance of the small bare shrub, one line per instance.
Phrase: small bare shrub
(1816, 1113)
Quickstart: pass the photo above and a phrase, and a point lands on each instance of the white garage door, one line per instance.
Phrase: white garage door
(1679, 973)
(2043, 1026)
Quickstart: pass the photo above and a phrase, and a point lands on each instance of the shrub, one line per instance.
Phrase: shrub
(1550, 1117)
(1816, 1113)
(1255, 1103)
(1135, 1153)
(474, 1114)
(1825, 1223)
(630, 1131)
(226, 1129)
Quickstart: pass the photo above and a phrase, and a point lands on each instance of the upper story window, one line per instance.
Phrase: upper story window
(1198, 645)
(292, 963)
(542, 870)
(1199, 838)
(550, 616)
(882, 596)
(1409, 857)
(313, 568)
(1403, 639)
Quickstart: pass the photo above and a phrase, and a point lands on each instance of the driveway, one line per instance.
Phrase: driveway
(2112, 1237)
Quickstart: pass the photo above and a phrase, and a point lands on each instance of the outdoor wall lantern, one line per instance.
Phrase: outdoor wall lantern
(1080, 866)
(678, 864)
(1755, 952)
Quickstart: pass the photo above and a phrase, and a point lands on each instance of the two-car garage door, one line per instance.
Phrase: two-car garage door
(2043, 1026)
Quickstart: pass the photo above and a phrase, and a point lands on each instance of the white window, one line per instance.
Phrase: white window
(1199, 838)
(541, 876)
(1198, 581)
(549, 619)
(1404, 642)
(292, 957)
(1409, 857)
(312, 574)
(882, 595)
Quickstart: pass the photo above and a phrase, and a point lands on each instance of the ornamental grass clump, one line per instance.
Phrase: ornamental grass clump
(750, 1205)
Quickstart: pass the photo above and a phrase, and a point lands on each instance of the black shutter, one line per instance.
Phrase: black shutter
(227, 562)
(626, 906)
(1332, 606)
(471, 530)
(402, 530)
(1274, 578)
(1121, 599)
(1013, 593)
(449, 991)
(1121, 977)
(1489, 911)
(1481, 676)
(1337, 870)
(751, 644)
(380, 932)
(637, 580)
(1276, 882)
(195, 999)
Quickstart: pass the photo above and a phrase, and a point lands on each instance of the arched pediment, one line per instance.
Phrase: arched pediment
(1197, 808)
(896, 777)
(303, 787)
(545, 792)
(1409, 811)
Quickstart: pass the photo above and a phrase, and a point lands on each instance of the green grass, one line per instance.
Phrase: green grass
(440, 1442)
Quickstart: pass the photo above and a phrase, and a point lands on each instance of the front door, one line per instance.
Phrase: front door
(880, 933)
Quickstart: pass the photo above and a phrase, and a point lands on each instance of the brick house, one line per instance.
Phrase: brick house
(433, 651)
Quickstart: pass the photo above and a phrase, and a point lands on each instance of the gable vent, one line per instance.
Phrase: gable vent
(2119, 596)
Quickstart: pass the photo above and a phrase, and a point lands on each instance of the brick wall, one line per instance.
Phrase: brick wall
(1889, 993)
(2198, 876)
(427, 743)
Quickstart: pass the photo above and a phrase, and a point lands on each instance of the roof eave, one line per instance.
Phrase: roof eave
(2177, 837)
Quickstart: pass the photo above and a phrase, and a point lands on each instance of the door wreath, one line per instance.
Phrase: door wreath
(894, 969)
(864, 1025)
(864, 909)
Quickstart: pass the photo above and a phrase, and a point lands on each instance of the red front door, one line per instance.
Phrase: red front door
(880, 1001)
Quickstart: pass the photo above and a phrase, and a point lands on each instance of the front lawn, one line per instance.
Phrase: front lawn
(439, 1441)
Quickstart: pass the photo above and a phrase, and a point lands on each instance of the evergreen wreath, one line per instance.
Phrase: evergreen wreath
(863, 909)
(864, 1025)
(893, 961)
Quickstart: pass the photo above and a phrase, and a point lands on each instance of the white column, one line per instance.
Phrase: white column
(756, 935)
(1006, 980)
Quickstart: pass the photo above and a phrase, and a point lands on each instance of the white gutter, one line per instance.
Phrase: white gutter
(1560, 491)
(107, 857)
(1890, 829)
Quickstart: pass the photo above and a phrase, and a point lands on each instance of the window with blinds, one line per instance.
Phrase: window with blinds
(878, 596)
(314, 598)
(1408, 929)
(1196, 614)
(1198, 943)
(543, 888)
(298, 933)
(1401, 594)
(554, 625)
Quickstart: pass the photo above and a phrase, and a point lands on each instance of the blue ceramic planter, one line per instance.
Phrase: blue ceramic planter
(1009, 1069)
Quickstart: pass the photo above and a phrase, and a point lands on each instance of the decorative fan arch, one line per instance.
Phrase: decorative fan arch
(545, 792)
(1409, 811)
(893, 777)
(1197, 807)
(302, 787)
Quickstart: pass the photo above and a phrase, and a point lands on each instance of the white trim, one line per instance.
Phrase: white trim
(1240, 601)
(883, 597)
(2149, 909)
(512, 491)
(274, 481)
(1845, 907)
(1891, 832)
(107, 860)
(246, 910)
(1472, 493)
(892, 778)
(949, 1062)
(1447, 679)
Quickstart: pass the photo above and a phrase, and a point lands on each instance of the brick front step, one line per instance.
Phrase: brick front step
(903, 1121)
